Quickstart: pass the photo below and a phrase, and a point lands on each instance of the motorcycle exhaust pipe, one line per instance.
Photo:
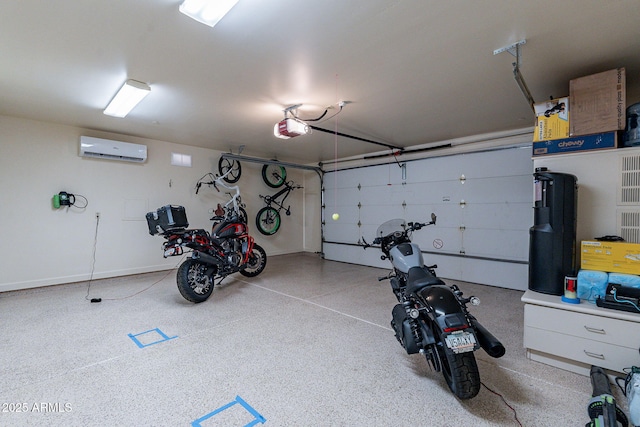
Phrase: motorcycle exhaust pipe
(487, 341)
(206, 258)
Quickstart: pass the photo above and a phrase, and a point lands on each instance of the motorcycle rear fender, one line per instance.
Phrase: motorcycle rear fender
(440, 299)
(445, 308)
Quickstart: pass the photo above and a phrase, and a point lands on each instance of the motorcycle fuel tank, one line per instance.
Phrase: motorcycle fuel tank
(229, 229)
(406, 255)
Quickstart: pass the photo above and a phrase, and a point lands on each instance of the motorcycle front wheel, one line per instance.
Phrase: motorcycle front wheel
(257, 262)
(460, 371)
(268, 220)
(194, 283)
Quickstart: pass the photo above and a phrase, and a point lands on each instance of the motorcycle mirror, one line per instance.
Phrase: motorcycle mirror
(433, 218)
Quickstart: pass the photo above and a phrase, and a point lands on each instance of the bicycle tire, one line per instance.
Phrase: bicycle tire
(274, 175)
(268, 221)
(243, 216)
(225, 164)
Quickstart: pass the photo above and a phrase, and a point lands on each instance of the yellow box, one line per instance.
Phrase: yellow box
(612, 257)
(552, 120)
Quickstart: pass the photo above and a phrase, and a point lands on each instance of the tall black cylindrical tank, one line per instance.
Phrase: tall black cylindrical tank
(552, 239)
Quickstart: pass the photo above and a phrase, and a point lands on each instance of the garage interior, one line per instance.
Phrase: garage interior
(408, 108)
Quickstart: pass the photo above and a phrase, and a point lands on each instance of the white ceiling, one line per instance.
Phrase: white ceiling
(415, 71)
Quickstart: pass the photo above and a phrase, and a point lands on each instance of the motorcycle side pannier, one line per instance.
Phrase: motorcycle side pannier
(166, 218)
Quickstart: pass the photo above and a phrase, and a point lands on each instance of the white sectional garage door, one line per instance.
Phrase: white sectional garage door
(483, 202)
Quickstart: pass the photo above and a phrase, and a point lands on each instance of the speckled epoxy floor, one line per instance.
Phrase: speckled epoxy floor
(306, 343)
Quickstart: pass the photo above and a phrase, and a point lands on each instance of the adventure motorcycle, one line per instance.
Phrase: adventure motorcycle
(226, 250)
(431, 318)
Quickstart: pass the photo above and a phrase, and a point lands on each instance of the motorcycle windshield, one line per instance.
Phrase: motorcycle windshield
(391, 227)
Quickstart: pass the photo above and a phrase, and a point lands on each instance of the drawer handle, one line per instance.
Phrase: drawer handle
(595, 330)
(597, 356)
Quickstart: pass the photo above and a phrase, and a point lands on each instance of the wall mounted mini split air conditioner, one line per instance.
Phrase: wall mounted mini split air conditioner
(112, 150)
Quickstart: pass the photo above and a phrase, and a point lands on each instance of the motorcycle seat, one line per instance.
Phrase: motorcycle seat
(419, 278)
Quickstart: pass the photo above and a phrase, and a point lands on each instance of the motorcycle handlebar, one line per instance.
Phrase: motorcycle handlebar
(411, 226)
(215, 180)
(419, 225)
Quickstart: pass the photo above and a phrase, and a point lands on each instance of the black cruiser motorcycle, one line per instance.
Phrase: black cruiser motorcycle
(431, 317)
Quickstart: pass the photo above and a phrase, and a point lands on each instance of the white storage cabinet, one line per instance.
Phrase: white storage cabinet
(576, 336)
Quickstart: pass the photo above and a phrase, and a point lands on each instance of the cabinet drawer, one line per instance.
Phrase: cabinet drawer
(583, 350)
(592, 327)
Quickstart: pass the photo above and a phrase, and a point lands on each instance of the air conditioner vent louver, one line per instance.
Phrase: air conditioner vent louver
(112, 150)
(629, 225)
(630, 180)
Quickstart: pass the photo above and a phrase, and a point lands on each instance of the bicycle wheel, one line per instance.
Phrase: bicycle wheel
(273, 175)
(224, 165)
(268, 220)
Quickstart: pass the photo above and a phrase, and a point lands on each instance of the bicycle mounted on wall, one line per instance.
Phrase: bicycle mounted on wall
(268, 218)
(234, 206)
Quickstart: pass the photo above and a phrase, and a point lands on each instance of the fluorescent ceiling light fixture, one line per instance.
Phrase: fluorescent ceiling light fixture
(289, 127)
(208, 12)
(129, 95)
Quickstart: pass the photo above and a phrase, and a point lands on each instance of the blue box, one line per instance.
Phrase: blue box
(592, 284)
(597, 141)
(625, 279)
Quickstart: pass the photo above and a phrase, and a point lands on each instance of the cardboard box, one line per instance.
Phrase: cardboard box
(577, 144)
(612, 257)
(552, 120)
(598, 103)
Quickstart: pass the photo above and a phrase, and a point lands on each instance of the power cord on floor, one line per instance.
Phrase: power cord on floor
(515, 414)
(148, 287)
(93, 264)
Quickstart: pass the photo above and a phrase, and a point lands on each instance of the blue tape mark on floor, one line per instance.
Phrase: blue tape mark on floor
(163, 337)
(238, 400)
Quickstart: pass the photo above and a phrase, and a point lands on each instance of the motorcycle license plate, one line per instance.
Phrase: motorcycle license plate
(461, 342)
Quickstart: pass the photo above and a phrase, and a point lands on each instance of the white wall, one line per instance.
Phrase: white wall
(599, 177)
(45, 246)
